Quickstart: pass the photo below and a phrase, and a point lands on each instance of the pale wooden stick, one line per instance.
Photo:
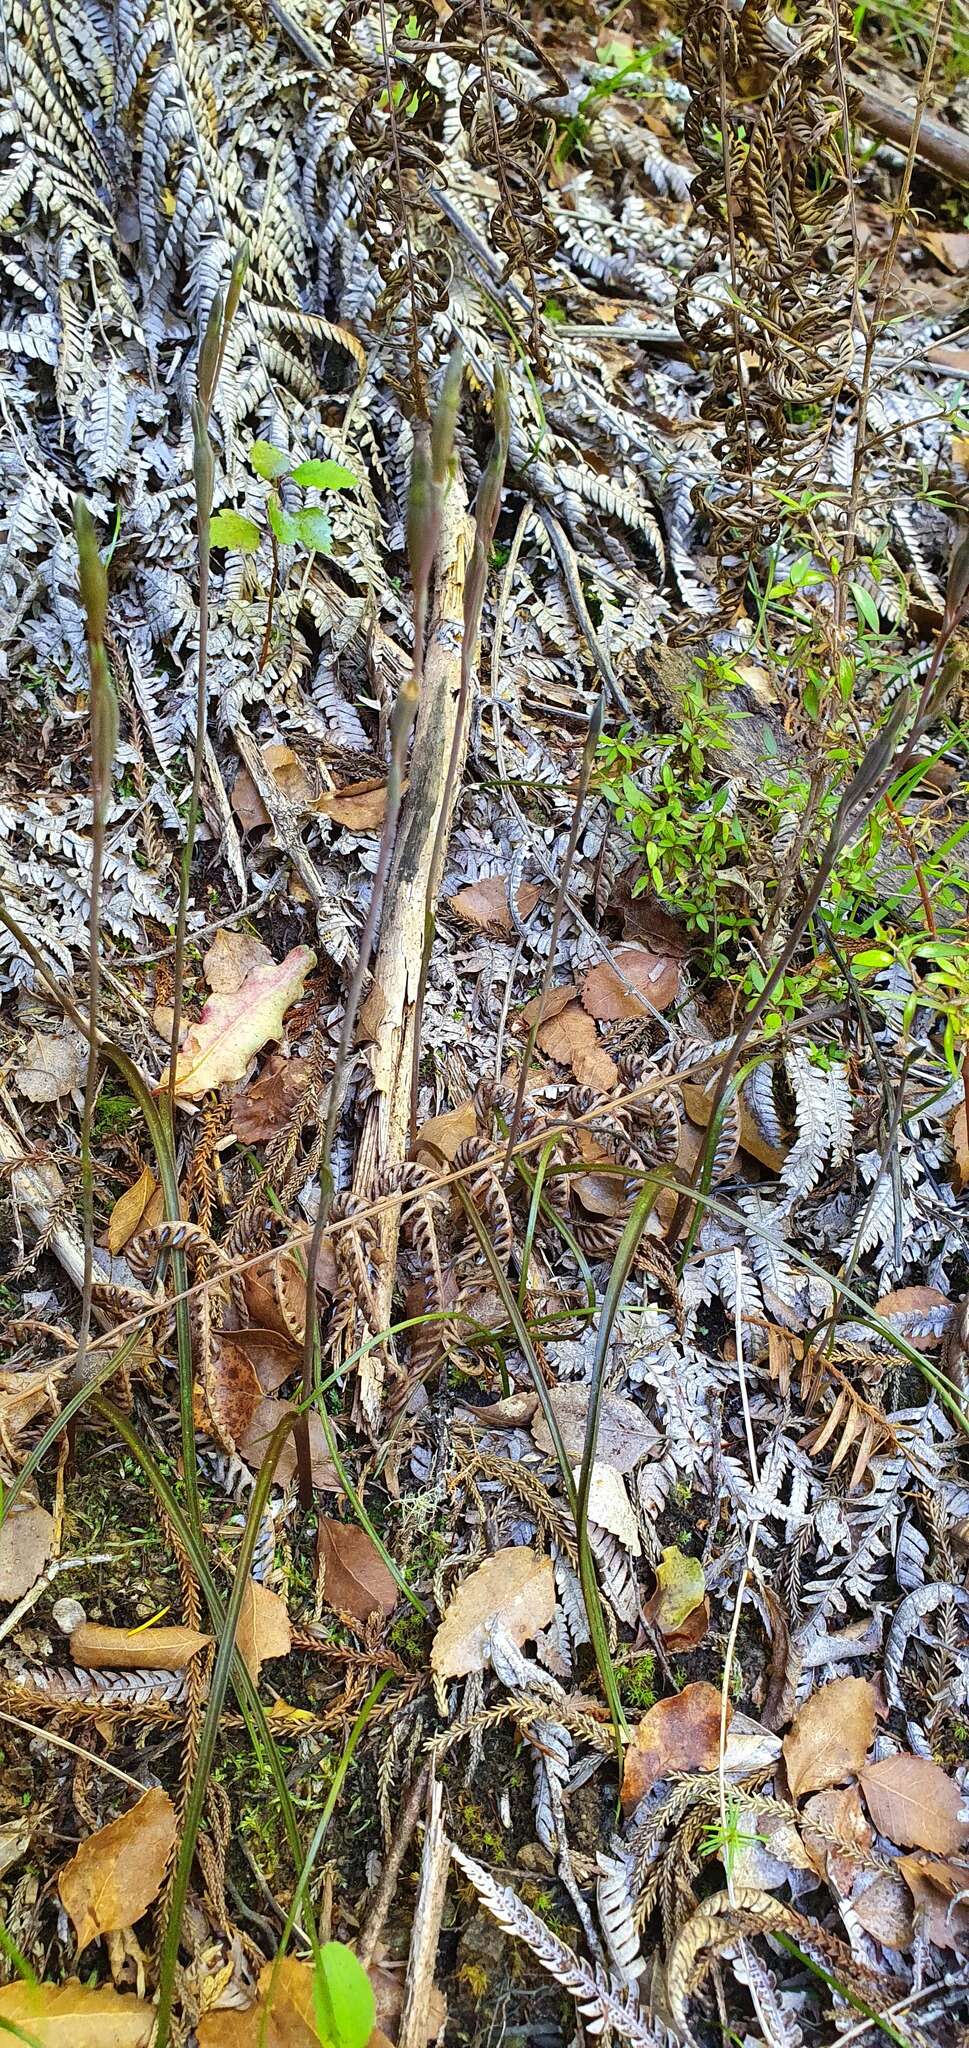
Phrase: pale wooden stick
(426, 1930)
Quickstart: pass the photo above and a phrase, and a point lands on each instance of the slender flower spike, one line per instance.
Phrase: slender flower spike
(446, 415)
(104, 697)
(202, 462)
(93, 575)
(210, 352)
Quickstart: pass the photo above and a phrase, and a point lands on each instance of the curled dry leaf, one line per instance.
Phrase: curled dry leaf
(96, 1647)
(117, 1873)
(52, 1067)
(234, 1027)
(273, 1357)
(269, 1102)
(74, 2015)
(831, 1736)
(484, 905)
(354, 1577)
(359, 806)
(231, 958)
(139, 1208)
(680, 1594)
(515, 1587)
(264, 1628)
(915, 1804)
(624, 1439)
(26, 1541)
(655, 975)
(677, 1734)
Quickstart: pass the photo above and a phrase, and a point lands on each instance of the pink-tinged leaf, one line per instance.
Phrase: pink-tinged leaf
(232, 1028)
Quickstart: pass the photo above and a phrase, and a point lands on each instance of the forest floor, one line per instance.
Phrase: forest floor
(484, 951)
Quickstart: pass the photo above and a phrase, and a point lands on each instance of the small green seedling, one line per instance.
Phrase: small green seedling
(309, 527)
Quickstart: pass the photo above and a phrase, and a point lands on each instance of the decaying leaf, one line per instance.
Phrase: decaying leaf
(287, 773)
(26, 1541)
(939, 1896)
(484, 905)
(273, 1357)
(117, 1873)
(915, 1804)
(839, 1814)
(655, 975)
(74, 2015)
(359, 806)
(698, 1102)
(625, 1436)
(268, 1103)
(254, 1444)
(960, 1149)
(882, 1905)
(831, 1736)
(264, 1628)
(515, 1587)
(354, 1577)
(907, 1304)
(680, 1592)
(610, 1506)
(949, 246)
(231, 958)
(677, 1734)
(139, 1208)
(52, 1067)
(232, 1028)
(231, 1393)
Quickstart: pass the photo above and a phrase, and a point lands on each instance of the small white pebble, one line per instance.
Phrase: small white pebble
(68, 1615)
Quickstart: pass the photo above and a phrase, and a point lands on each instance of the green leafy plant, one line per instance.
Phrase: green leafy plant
(308, 527)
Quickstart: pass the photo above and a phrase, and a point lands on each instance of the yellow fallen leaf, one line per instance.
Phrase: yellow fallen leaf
(118, 1872)
(234, 1027)
(74, 2015)
(134, 1211)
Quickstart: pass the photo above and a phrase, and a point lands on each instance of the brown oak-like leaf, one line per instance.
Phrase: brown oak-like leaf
(267, 1105)
(831, 1736)
(139, 1208)
(359, 806)
(484, 905)
(915, 1804)
(515, 1587)
(677, 1734)
(884, 1910)
(264, 1628)
(117, 1873)
(97, 1647)
(355, 1579)
(656, 976)
(234, 1027)
(838, 1813)
(273, 1357)
(26, 1540)
(74, 2015)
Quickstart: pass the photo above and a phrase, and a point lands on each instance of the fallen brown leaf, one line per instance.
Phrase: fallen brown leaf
(231, 958)
(268, 1103)
(51, 1067)
(934, 1886)
(359, 807)
(26, 1541)
(655, 975)
(570, 1037)
(139, 1208)
(264, 1628)
(117, 1873)
(841, 1814)
(884, 1910)
(625, 1436)
(484, 905)
(96, 1647)
(515, 1587)
(283, 2016)
(677, 1734)
(915, 1804)
(74, 2015)
(831, 1736)
(273, 1357)
(288, 774)
(449, 1130)
(255, 1443)
(960, 1139)
(232, 1391)
(912, 1301)
(950, 247)
(232, 1028)
(355, 1579)
(698, 1102)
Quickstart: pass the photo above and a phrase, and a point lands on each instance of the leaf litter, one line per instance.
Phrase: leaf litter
(777, 1418)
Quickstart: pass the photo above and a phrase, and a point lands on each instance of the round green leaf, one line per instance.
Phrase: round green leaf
(324, 476)
(282, 522)
(268, 461)
(343, 2000)
(314, 528)
(234, 530)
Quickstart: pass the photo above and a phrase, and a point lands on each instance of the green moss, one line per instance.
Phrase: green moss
(637, 1683)
(113, 1113)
